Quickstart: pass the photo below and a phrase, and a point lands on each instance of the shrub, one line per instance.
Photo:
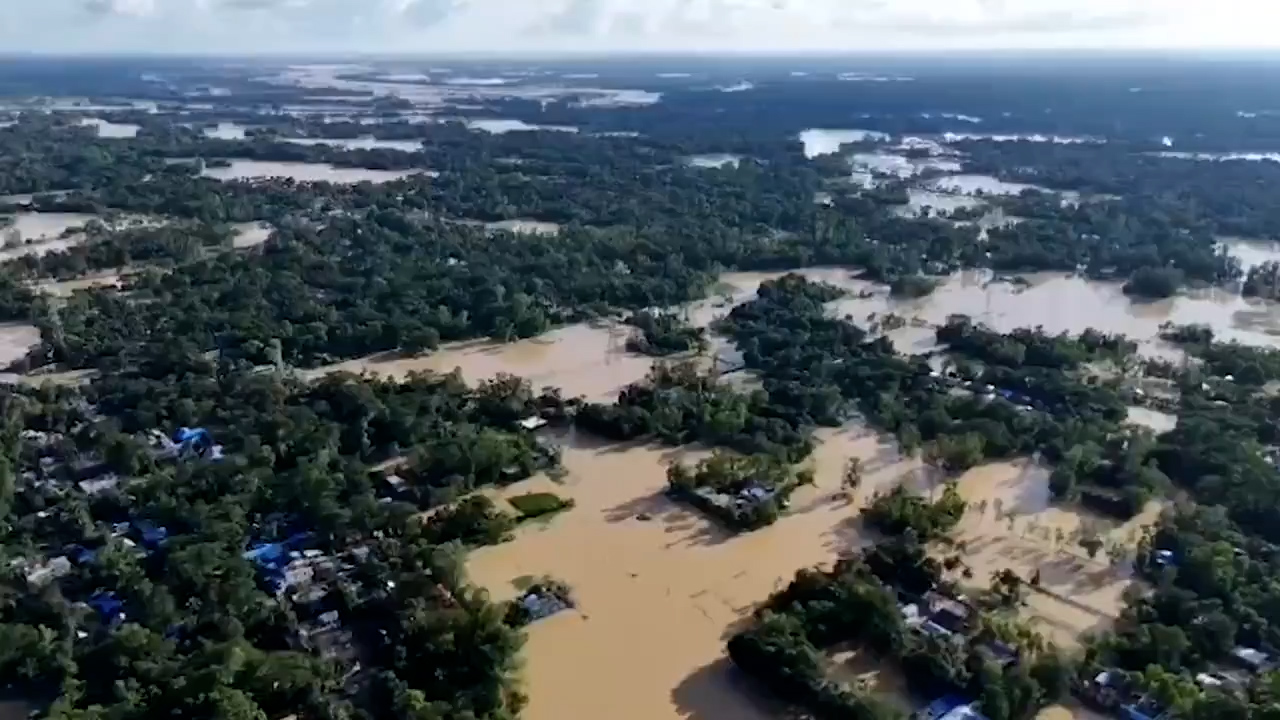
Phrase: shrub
(534, 505)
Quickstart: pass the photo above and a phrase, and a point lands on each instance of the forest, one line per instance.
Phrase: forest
(140, 580)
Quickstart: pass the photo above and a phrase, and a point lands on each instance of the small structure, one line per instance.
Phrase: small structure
(109, 608)
(1252, 659)
(100, 485)
(951, 707)
(531, 423)
(954, 614)
(539, 604)
(48, 571)
(152, 536)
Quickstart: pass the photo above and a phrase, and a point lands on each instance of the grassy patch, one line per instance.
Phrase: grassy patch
(534, 505)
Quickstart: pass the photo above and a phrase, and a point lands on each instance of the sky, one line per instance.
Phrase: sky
(509, 27)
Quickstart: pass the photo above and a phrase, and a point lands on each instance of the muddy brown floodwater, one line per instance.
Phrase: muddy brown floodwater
(1011, 524)
(658, 598)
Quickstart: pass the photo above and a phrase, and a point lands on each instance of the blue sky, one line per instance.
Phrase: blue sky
(561, 26)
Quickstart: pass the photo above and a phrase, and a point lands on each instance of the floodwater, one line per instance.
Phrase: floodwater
(1160, 422)
(1250, 252)
(303, 172)
(657, 598)
(714, 160)
(34, 233)
(1057, 139)
(589, 360)
(65, 288)
(525, 226)
(16, 340)
(1250, 156)
(981, 185)
(928, 202)
(862, 672)
(824, 141)
(225, 131)
(250, 234)
(580, 359)
(107, 129)
(901, 166)
(500, 126)
(1061, 303)
(361, 143)
(1020, 530)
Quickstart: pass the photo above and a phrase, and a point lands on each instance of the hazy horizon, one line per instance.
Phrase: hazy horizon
(576, 28)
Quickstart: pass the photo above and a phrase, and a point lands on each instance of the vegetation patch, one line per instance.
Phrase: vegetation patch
(744, 493)
(534, 505)
(662, 334)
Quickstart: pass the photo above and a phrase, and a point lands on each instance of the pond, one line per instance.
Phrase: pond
(303, 172)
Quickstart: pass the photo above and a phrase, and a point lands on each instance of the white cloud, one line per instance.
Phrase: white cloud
(425, 26)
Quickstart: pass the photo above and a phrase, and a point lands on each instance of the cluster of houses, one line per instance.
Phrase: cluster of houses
(1113, 692)
(941, 615)
(308, 577)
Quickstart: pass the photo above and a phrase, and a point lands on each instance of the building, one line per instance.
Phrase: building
(951, 707)
(1252, 659)
(48, 571)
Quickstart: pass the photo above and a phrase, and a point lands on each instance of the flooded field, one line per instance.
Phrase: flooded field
(1011, 524)
(499, 126)
(361, 143)
(714, 160)
(667, 591)
(303, 172)
(824, 141)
